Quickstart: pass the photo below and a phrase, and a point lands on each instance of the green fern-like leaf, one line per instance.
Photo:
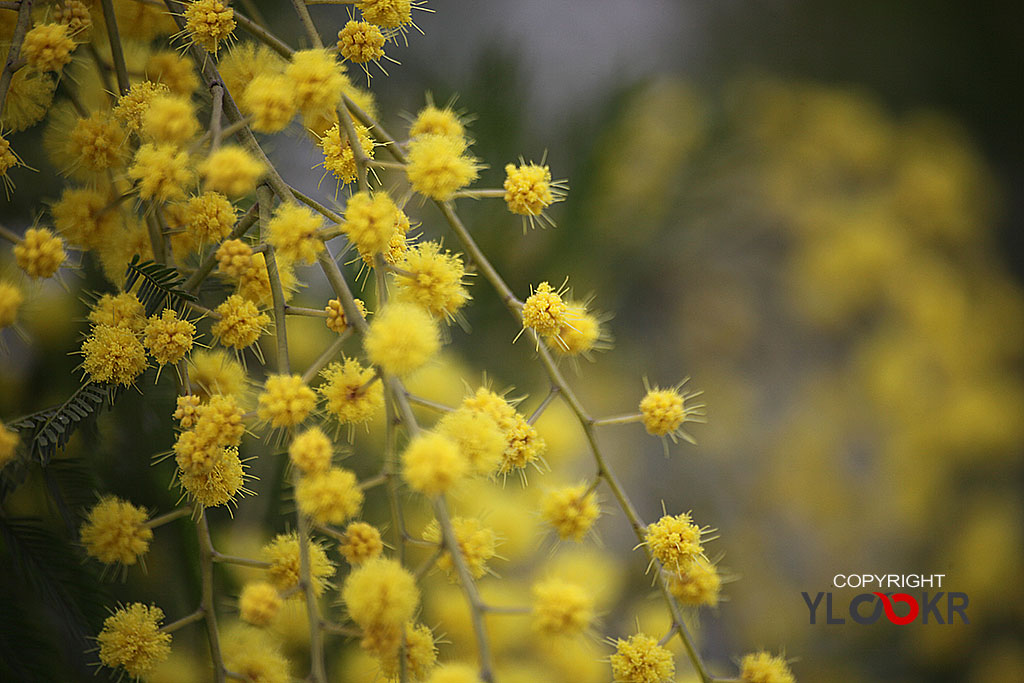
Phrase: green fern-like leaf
(47, 431)
(159, 287)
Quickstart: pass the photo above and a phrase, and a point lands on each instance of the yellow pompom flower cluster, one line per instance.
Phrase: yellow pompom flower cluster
(270, 99)
(434, 280)
(432, 120)
(286, 401)
(663, 412)
(48, 47)
(571, 510)
(113, 354)
(131, 107)
(352, 395)
(432, 464)
(439, 166)
(329, 497)
(529, 190)
(361, 42)
(162, 171)
(478, 436)
(11, 299)
(317, 80)
(394, 14)
(209, 23)
(545, 312)
(172, 70)
(115, 532)
(370, 222)
(119, 310)
(132, 640)
(293, 233)
(561, 607)
(311, 451)
(284, 572)
(641, 660)
(699, 583)
(168, 338)
(338, 156)
(255, 654)
(420, 655)
(74, 14)
(523, 446)
(401, 338)
(232, 171)
(336, 321)
(96, 143)
(170, 119)
(241, 322)
(208, 217)
(40, 253)
(477, 543)
(259, 603)
(675, 541)
(763, 667)
(209, 469)
(362, 543)
(580, 332)
(381, 597)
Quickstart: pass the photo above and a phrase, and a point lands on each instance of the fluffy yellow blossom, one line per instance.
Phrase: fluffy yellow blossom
(131, 639)
(254, 283)
(523, 446)
(361, 42)
(115, 531)
(232, 171)
(330, 497)
(477, 543)
(370, 221)
(675, 541)
(571, 510)
(317, 79)
(131, 107)
(48, 47)
(438, 166)
(311, 451)
(663, 411)
(220, 421)
(245, 62)
(401, 338)
(529, 190)
(39, 253)
(478, 436)
(641, 660)
(545, 311)
(255, 654)
(209, 217)
(580, 332)
(270, 100)
(241, 322)
(259, 603)
(338, 156)
(162, 171)
(432, 464)
(209, 23)
(168, 337)
(9, 159)
(286, 401)
(351, 394)
(561, 607)
(10, 300)
(176, 72)
(699, 583)
(292, 233)
(362, 543)
(215, 372)
(220, 484)
(28, 99)
(113, 354)
(75, 14)
(186, 411)
(434, 280)
(95, 143)
(234, 258)
(119, 310)
(170, 118)
(420, 655)
(387, 13)
(8, 444)
(283, 555)
(763, 667)
(432, 120)
(336, 321)
(80, 217)
(381, 596)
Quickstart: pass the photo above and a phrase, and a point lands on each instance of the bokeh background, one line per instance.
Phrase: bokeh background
(812, 209)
